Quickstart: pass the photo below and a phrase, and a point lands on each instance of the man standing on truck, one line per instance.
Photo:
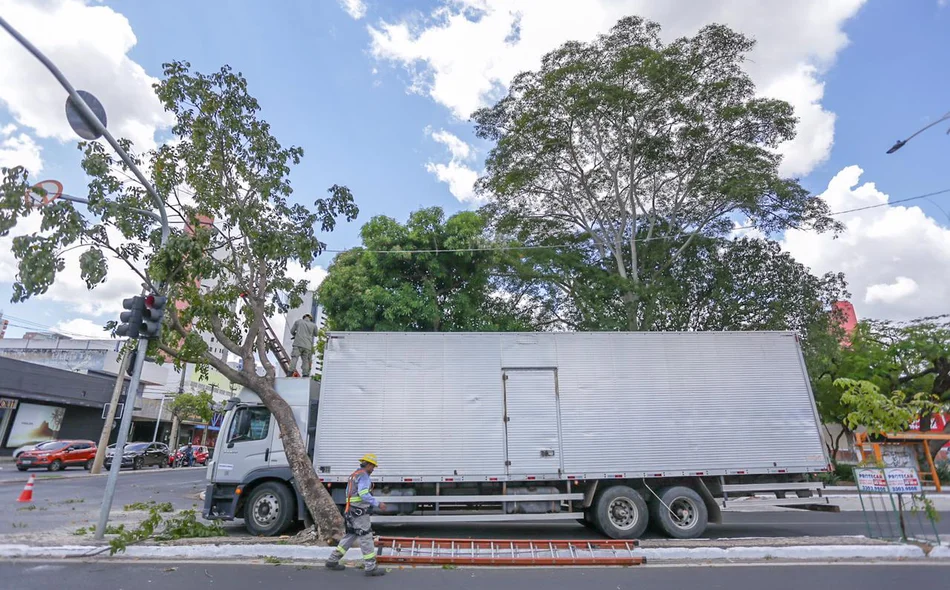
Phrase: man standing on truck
(359, 500)
(303, 332)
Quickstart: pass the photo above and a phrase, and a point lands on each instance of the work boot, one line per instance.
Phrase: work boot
(375, 572)
(337, 567)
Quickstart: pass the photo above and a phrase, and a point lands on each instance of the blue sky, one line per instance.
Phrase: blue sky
(377, 92)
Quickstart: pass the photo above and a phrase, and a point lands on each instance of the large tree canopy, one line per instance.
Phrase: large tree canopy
(644, 148)
(445, 284)
(225, 177)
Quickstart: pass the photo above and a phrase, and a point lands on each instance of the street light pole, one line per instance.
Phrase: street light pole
(158, 419)
(900, 143)
(93, 121)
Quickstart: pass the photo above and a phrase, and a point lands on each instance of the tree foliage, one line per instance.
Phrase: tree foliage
(640, 149)
(878, 412)
(225, 179)
(193, 406)
(895, 358)
(445, 284)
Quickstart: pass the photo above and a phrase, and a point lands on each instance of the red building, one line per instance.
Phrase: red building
(848, 320)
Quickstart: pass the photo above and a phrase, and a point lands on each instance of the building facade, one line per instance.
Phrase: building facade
(39, 402)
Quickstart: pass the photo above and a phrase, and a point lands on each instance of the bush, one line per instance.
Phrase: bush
(943, 471)
(844, 471)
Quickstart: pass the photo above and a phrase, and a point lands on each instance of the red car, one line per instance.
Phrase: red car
(200, 454)
(58, 454)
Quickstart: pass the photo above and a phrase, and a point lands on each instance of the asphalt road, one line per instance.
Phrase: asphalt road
(123, 576)
(66, 503)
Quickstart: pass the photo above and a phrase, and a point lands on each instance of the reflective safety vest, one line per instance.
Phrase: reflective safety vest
(353, 494)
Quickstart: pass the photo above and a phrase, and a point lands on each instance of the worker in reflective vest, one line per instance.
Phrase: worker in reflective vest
(359, 502)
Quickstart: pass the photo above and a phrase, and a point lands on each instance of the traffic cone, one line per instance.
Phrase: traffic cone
(27, 494)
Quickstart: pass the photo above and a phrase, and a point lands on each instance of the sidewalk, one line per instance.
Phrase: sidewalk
(698, 551)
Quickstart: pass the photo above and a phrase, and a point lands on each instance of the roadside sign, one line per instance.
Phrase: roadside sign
(903, 481)
(77, 120)
(871, 480)
(105, 410)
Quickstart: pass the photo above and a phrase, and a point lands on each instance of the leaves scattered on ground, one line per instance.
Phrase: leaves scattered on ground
(146, 506)
(185, 525)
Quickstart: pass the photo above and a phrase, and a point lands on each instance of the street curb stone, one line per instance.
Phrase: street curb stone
(653, 555)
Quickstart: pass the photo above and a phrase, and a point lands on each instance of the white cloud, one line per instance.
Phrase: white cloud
(458, 148)
(460, 178)
(314, 275)
(456, 173)
(19, 150)
(81, 328)
(465, 52)
(69, 288)
(90, 45)
(891, 293)
(896, 259)
(354, 8)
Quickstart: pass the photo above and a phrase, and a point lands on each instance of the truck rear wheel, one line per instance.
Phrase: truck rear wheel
(679, 513)
(621, 513)
(269, 510)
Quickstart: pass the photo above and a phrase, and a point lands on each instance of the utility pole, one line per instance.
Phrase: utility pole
(158, 419)
(110, 417)
(176, 423)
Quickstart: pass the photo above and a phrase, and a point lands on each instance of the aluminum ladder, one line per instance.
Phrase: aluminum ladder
(504, 552)
(273, 343)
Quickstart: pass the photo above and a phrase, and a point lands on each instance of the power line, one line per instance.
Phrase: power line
(555, 246)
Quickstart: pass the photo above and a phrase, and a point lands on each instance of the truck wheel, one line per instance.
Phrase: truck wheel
(621, 513)
(686, 517)
(589, 521)
(269, 510)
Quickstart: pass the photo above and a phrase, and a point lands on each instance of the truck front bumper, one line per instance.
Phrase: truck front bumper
(221, 501)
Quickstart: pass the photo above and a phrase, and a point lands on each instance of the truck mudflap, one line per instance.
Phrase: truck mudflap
(221, 501)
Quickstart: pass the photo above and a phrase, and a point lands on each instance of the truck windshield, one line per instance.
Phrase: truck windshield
(249, 424)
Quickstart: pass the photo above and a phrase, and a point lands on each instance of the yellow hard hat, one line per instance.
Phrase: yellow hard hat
(371, 459)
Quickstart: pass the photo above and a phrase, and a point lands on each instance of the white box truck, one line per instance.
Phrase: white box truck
(616, 430)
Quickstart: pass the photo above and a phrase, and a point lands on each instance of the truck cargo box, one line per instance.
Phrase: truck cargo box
(542, 406)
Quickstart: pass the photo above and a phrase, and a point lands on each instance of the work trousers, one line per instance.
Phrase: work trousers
(358, 529)
(306, 357)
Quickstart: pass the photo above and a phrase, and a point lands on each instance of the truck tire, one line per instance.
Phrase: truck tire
(589, 521)
(691, 514)
(269, 510)
(621, 513)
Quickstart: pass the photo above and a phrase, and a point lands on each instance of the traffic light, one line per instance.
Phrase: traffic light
(152, 316)
(131, 319)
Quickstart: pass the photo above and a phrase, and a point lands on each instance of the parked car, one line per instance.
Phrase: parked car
(140, 454)
(58, 454)
(28, 447)
(201, 455)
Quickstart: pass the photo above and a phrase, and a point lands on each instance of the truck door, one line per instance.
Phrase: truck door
(531, 420)
(248, 444)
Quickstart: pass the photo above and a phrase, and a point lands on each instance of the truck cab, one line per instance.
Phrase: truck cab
(248, 475)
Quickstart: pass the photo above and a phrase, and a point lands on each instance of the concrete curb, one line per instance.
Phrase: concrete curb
(58, 476)
(655, 555)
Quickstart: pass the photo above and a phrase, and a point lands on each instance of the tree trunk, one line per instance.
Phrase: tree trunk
(327, 518)
(630, 302)
(173, 435)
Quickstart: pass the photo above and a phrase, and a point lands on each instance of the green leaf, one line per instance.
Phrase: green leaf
(93, 267)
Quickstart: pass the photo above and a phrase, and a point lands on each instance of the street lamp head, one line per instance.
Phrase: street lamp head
(897, 146)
